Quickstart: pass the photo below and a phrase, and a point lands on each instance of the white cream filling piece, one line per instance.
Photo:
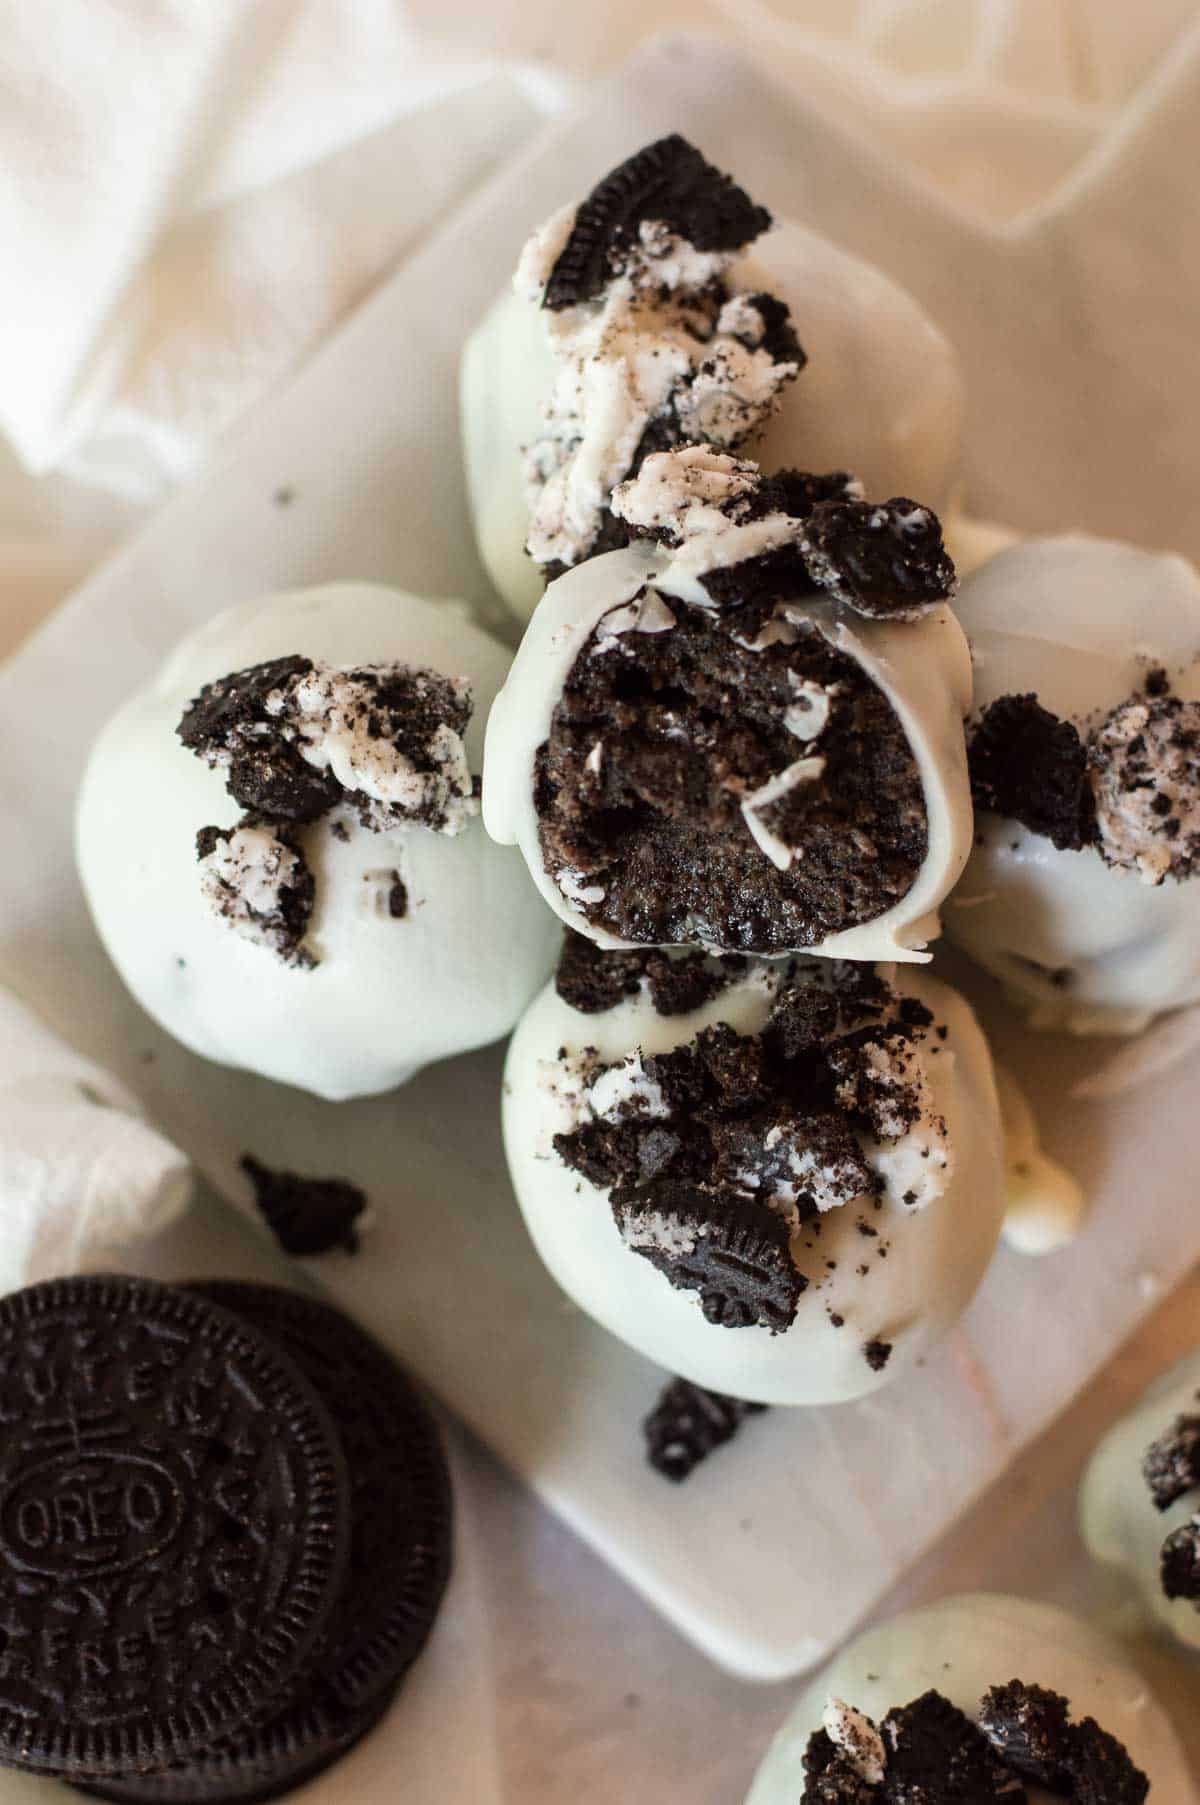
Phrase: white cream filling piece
(621, 359)
(325, 713)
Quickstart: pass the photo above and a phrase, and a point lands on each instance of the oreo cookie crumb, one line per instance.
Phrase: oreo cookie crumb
(397, 900)
(277, 729)
(883, 559)
(880, 1076)
(777, 336)
(1171, 1466)
(1179, 1566)
(687, 1423)
(306, 1215)
(1157, 682)
(803, 1017)
(831, 1778)
(1031, 1730)
(1144, 768)
(229, 726)
(935, 1753)
(255, 876)
(877, 1353)
(1028, 765)
(594, 981)
(667, 183)
(736, 1255)
(783, 574)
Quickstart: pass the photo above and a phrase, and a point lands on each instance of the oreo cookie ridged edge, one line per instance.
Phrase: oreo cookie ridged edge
(400, 1546)
(173, 1525)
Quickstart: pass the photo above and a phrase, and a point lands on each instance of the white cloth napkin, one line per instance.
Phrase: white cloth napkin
(192, 193)
(81, 1170)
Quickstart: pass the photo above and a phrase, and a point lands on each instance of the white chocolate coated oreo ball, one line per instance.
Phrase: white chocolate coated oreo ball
(963, 1647)
(922, 668)
(1119, 1520)
(1080, 943)
(936, 1222)
(881, 395)
(422, 941)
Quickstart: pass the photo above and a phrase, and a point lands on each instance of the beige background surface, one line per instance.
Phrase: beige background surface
(992, 103)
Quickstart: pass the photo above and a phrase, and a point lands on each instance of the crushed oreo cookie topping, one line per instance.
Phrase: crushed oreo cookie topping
(593, 981)
(229, 726)
(736, 1256)
(255, 877)
(1144, 766)
(715, 1153)
(385, 739)
(688, 1423)
(883, 559)
(1171, 1467)
(931, 1753)
(1131, 789)
(1031, 1730)
(655, 342)
(1179, 1564)
(669, 184)
(295, 740)
(306, 1215)
(738, 535)
(1030, 766)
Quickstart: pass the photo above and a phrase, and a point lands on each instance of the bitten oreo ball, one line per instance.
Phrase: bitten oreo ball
(399, 1559)
(173, 1510)
(743, 732)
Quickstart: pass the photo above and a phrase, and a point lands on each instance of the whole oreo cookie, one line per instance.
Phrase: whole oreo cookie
(400, 1543)
(173, 1511)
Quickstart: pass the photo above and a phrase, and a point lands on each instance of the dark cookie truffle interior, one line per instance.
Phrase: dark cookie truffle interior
(689, 724)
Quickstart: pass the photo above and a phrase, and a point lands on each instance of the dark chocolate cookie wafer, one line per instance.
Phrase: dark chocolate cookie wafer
(248, 1771)
(400, 1505)
(173, 1511)
(399, 1560)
